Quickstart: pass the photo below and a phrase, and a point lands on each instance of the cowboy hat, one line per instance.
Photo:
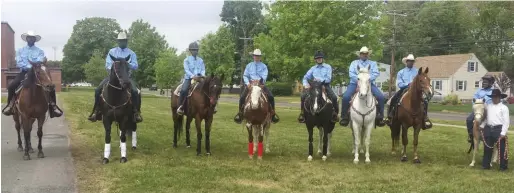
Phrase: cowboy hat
(364, 50)
(497, 92)
(257, 52)
(409, 57)
(319, 54)
(122, 36)
(30, 33)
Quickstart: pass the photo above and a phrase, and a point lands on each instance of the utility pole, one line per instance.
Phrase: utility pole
(55, 56)
(243, 60)
(392, 70)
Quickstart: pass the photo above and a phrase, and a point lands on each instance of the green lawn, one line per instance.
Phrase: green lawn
(157, 167)
(465, 108)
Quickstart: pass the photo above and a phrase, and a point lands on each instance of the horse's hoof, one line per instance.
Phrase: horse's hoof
(188, 146)
(26, 157)
(123, 160)
(250, 156)
(40, 154)
(309, 158)
(208, 154)
(416, 161)
(403, 159)
(134, 147)
(472, 165)
(324, 158)
(355, 161)
(105, 161)
(20, 149)
(368, 161)
(31, 150)
(259, 157)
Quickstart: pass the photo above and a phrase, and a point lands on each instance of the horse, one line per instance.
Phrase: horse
(479, 111)
(116, 106)
(362, 114)
(410, 114)
(318, 110)
(31, 103)
(200, 103)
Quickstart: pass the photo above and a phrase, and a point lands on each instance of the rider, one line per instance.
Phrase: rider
(255, 70)
(23, 56)
(120, 52)
(403, 80)
(362, 62)
(193, 67)
(321, 72)
(482, 93)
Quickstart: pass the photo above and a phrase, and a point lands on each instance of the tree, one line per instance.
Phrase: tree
(503, 82)
(167, 67)
(217, 50)
(94, 69)
(147, 43)
(89, 34)
(53, 63)
(336, 28)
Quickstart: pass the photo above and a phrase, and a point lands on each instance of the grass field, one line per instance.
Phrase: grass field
(156, 167)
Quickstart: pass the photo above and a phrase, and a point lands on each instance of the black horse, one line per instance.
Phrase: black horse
(318, 110)
(116, 106)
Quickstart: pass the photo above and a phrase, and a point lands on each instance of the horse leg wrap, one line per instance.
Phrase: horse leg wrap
(107, 150)
(123, 148)
(250, 148)
(259, 149)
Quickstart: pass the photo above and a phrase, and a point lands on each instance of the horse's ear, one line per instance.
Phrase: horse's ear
(112, 57)
(420, 71)
(426, 70)
(127, 58)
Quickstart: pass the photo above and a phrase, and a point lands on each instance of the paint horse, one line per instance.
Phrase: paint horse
(479, 111)
(362, 114)
(257, 118)
(410, 113)
(31, 103)
(116, 106)
(199, 105)
(318, 110)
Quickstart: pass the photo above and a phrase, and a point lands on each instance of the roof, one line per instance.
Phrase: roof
(443, 66)
(497, 74)
(4, 22)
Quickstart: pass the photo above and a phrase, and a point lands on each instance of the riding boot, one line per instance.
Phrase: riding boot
(180, 109)
(274, 118)
(470, 138)
(239, 117)
(390, 114)
(96, 114)
(427, 124)
(345, 116)
(52, 107)
(8, 110)
(137, 107)
(379, 121)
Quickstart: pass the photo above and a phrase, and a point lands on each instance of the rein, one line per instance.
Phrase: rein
(373, 106)
(119, 88)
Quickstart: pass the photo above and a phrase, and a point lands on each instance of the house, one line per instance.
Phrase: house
(501, 80)
(458, 74)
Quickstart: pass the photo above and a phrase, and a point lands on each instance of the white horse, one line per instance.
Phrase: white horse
(258, 119)
(479, 111)
(362, 113)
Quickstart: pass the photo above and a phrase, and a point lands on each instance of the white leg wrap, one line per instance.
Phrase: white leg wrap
(107, 151)
(134, 139)
(123, 149)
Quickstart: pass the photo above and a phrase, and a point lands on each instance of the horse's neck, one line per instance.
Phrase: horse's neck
(366, 102)
(414, 94)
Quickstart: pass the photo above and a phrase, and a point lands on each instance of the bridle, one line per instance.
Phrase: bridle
(129, 95)
(311, 106)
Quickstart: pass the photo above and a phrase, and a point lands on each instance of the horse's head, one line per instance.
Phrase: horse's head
(317, 96)
(213, 88)
(423, 83)
(479, 109)
(255, 90)
(120, 72)
(39, 75)
(363, 81)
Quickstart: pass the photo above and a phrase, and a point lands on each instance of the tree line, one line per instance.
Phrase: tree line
(289, 32)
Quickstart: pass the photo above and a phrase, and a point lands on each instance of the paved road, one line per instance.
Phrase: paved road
(53, 174)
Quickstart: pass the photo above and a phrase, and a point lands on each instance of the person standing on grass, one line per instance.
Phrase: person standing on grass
(482, 93)
(495, 127)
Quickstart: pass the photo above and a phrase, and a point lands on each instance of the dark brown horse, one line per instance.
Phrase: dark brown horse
(199, 105)
(257, 115)
(32, 103)
(410, 113)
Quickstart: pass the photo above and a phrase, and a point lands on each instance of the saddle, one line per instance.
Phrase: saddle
(194, 83)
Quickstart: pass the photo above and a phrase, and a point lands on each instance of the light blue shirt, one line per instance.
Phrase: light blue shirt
(255, 71)
(405, 76)
(363, 64)
(26, 54)
(117, 52)
(321, 72)
(482, 94)
(193, 66)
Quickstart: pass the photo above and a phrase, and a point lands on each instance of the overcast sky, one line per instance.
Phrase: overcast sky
(180, 21)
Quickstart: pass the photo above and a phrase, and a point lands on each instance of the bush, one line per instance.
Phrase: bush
(452, 99)
(280, 88)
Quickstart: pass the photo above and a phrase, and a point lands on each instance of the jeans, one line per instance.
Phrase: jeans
(491, 135)
(350, 91)
(242, 98)
(183, 91)
(11, 89)
(331, 94)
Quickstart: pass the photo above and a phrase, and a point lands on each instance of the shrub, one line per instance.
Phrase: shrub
(452, 99)
(280, 88)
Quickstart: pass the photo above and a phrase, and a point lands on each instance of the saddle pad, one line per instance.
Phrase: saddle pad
(179, 87)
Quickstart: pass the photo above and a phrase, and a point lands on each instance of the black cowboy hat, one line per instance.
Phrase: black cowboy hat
(319, 54)
(497, 92)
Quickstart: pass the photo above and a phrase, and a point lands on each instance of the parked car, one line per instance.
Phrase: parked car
(438, 97)
(153, 87)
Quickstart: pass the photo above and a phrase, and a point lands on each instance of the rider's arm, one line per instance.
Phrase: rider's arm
(40, 56)
(328, 75)
(247, 74)
(353, 71)
(374, 71)
(133, 61)
(108, 61)
(506, 120)
(20, 62)
(264, 73)
(202, 68)
(186, 68)
(399, 80)
(307, 76)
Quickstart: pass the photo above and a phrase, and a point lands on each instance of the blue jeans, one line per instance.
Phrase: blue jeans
(350, 91)
(469, 122)
(184, 90)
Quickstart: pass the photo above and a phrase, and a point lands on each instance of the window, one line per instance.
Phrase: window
(437, 84)
(461, 85)
(472, 66)
(477, 84)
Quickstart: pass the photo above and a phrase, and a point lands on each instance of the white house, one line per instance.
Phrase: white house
(458, 74)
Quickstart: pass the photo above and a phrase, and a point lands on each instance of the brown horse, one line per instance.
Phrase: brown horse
(410, 113)
(32, 103)
(200, 104)
(257, 115)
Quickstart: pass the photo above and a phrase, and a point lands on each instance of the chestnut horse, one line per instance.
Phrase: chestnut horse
(410, 113)
(30, 104)
(199, 105)
(257, 116)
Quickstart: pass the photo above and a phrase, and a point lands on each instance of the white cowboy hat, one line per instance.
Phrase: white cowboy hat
(364, 50)
(30, 33)
(257, 52)
(122, 36)
(409, 57)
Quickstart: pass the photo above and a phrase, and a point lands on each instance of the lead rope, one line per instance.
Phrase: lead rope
(505, 153)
